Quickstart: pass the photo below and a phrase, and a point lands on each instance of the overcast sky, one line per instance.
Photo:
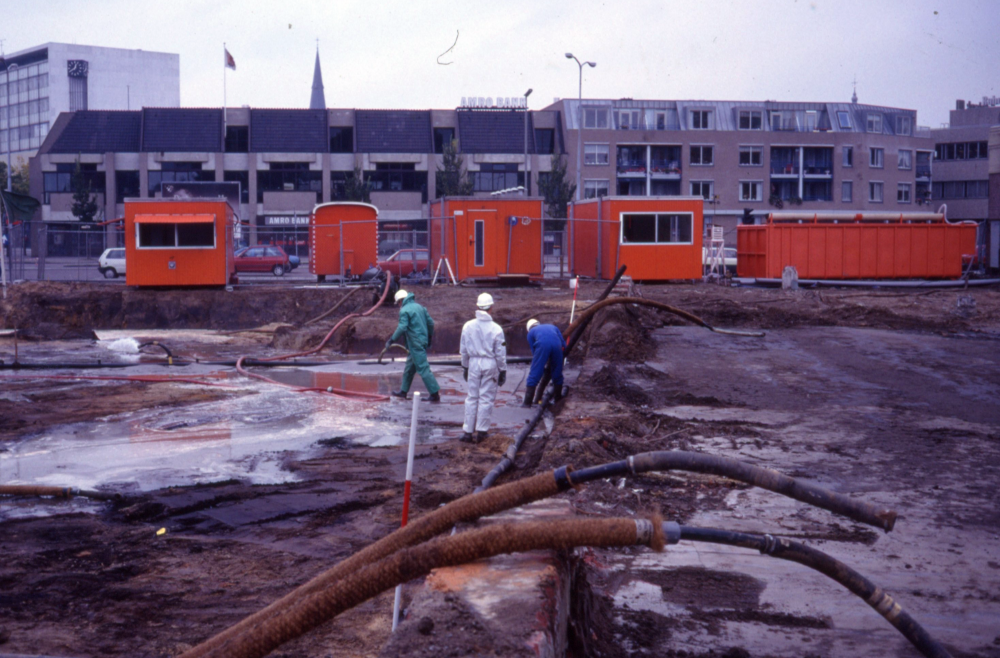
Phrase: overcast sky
(915, 54)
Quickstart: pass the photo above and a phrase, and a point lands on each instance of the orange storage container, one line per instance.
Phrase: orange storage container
(487, 237)
(179, 243)
(657, 238)
(349, 223)
(855, 246)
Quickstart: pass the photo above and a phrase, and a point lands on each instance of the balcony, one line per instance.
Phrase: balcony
(923, 172)
(781, 169)
(631, 169)
(666, 169)
(818, 172)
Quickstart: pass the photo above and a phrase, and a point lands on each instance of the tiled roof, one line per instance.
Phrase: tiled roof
(100, 132)
(289, 131)
(181, 129)
(393, 131)
(494, 131)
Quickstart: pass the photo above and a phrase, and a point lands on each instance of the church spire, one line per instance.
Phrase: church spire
(318, 100)
(854, 96)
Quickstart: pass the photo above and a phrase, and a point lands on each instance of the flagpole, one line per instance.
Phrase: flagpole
(225, 65)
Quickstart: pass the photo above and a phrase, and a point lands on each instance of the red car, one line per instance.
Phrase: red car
(262, 258)
(402, 263)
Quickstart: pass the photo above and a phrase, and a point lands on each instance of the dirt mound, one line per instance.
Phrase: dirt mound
(620, 333)
(609, 381)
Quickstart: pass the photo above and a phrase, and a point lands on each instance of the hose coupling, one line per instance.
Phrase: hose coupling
(671, 532)
(562, 478)
(770, 543)
(643, 532)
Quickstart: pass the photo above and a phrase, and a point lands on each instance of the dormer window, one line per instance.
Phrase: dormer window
(874, 123)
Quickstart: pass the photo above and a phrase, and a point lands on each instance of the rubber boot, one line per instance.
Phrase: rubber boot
(435, 397)
(466, 437)
(556, 394)
(480, 437)
(529, 396)
(399, 394)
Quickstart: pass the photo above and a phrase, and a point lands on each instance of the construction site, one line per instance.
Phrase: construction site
(732, 471)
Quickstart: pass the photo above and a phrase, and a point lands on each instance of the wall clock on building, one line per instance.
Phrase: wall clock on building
(77, 68)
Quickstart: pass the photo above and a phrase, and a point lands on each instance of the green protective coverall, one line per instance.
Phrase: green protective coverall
(416, 323)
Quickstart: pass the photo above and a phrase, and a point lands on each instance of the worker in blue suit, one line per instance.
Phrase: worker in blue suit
(547, 345)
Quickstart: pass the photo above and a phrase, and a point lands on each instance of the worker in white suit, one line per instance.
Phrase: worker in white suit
(484, 366)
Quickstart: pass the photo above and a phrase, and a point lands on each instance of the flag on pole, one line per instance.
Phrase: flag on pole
(230, 62)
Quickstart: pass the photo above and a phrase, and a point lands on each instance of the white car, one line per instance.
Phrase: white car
(728, 258)
(112, 263)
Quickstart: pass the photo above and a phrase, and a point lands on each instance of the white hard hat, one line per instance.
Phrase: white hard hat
(400, 295)
(531, 323)
(485, 301)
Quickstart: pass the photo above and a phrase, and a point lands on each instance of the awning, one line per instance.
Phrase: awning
(175, 219)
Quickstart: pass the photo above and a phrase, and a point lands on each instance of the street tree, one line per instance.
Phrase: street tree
(84, 200)
(452, 178)
(557, 189)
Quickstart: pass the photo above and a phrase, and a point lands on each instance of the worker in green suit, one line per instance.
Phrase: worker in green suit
(416, 323)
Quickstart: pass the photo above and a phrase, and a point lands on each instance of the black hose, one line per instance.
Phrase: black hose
(829, 566)
(512, 450)
(764, 478)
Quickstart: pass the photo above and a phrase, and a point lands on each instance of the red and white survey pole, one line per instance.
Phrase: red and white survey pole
(406, 499)
(576, 286)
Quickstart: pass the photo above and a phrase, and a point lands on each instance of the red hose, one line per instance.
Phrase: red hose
(150, 379)
(339, 392)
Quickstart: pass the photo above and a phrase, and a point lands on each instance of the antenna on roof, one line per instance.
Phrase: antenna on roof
(854, 96)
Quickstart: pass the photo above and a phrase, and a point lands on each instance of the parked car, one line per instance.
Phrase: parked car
(293, 261)
(112, 263)
(262, 258)
(402, 263)
(728, 257)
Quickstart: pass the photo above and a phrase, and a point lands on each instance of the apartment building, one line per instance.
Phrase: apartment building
(38, 84)
(743, 156)
(961, 160)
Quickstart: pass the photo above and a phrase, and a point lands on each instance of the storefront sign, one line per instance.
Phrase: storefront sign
(991, 101)
(498, 102)
(286, 220)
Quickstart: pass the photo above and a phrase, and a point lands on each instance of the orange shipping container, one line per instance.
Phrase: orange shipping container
(487, 237)
(179, 243)
(657, 238)
(855, 246)
(351, 224)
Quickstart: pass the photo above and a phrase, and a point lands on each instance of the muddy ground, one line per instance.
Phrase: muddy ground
(881, 394)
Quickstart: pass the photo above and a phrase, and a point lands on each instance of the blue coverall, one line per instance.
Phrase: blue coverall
(547, 345)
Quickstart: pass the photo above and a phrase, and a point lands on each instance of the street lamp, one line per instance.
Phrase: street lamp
(527, 176)
(579, 118)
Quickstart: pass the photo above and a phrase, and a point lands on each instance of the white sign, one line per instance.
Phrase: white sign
(717, 233)
(490, 102)
(286, 220)
(991, 101)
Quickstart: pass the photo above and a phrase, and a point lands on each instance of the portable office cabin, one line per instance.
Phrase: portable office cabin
(343, 237)
(658, 238)
(179, 242)
(487, 237)
(876, 245)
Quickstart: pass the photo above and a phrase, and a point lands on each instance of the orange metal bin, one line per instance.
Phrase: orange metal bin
(855, 246)
(349, 223)
(179, 243)
(487, 237)
(658, 238)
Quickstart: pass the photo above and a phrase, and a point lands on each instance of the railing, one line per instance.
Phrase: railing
(631, 168)
(923, 171)
(784, 169)
(666, 168)
(818, 170)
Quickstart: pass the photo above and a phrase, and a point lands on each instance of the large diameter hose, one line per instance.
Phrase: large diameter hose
(764, 478)
(30, 490)
(465, 509)
(407, 564)
(872, 594)
(690, 317)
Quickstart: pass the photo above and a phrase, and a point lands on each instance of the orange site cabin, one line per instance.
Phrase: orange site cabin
(351, 224)
(179, 243)
(484, 238)
(658, 238)
(874, 245)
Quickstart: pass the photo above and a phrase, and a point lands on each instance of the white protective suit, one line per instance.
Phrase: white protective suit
(484, 353)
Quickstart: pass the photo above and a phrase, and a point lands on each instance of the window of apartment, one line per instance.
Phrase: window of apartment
(812, 118)
(703, 188)
(442, 138)
(905, 159)
(783, 121)
(289, 177)
(594, 117)
(596, 154)
(545, 141)
(497, 176)
(397, 177)
(904, 125)
(875, 191)
(177, 172)
(241, 177)
(341, 139)
(237, 139)
(750, 120)
(661, 120)
(876, 158)
(701, 119)
(751, 190)
(751, 156)
(848, 156)
(153, 234)
(701, 155)
(846, 191)
(903, 193)
(126, 185)
(961, 189)
(844, 119)
(643, 228)
(874, 122)
(628, 120)
(595, 188)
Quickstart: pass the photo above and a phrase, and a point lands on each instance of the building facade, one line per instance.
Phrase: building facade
(38, 84)
(961, 160)
(751, 157)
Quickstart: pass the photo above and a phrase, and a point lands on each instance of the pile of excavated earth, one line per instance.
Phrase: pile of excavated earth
(885, 396)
